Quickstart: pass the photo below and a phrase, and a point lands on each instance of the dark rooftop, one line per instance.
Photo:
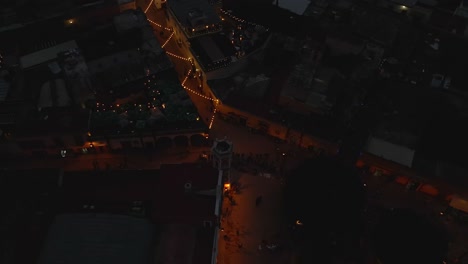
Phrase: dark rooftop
(102, 42)
(212, 48)
(190, 190)
(98, 238)
(184, 10)
(276, 18)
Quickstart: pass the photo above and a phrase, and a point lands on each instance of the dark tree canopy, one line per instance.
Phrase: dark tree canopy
(403, 236)
(328, 198)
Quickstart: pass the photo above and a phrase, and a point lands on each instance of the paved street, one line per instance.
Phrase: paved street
(178, 54)
(246, 225)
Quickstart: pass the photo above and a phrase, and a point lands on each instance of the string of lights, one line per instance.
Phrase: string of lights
(167, 40)
(146, 10)
(150, 105)
(239, 19)
(177, 56)
(158, 25)
(199, 94)
(186, 77)
(154, 23)
(214, 114)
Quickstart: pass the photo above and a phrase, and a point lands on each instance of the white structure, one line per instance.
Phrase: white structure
(222, 154)
(389, 151)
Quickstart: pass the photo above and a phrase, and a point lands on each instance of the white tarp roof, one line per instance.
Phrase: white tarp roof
(45, 55)
(389, 151)
(459, 203)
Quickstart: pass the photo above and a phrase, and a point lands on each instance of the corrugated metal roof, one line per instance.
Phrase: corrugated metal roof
(45, 55)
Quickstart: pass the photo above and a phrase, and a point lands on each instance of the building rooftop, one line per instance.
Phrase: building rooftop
(104, 41)
(178, 210)
(180, 244)
(98, 238)
(296, 6)
(376, 25)
(156, 103)
(130, 19)
(190, 13)
(389, 151)
(212, 50)
(312, 90)
(46, 55)
(190, 192)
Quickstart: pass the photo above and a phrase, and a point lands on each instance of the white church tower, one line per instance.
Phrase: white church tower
(221, 154)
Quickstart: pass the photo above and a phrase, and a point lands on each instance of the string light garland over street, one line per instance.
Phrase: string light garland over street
(158, 25)
(146, 10)
(216, 101)
(177, 56)
(167, 40)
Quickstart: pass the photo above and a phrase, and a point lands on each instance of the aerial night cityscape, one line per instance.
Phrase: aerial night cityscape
(234, 131)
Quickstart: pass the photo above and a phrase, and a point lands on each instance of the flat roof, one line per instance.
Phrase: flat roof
(98, 239)
(389, 151)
